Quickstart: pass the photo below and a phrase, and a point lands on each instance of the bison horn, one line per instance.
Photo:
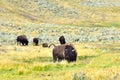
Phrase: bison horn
(73, 50)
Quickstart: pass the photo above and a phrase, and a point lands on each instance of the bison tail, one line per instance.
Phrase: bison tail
(51, 45)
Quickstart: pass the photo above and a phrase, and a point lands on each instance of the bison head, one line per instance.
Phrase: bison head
(70, 53)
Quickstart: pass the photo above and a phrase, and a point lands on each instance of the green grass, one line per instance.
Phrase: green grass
(110, 24)
(115, 24)
(30, 64)
(35, 63)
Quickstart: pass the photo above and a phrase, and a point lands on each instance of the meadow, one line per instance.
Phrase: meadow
(93, 26)
(98, 53)
(94, 62)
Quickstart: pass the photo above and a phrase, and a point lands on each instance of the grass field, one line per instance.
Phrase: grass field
(93, 26)
(94, 62)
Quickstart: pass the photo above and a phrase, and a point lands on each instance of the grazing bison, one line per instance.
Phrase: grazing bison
(45, 45)
(65, 51)
(22, 39)
(62, 40)
(35, 41)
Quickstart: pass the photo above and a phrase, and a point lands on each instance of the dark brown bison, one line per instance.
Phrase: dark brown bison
(45, 45)
(35, 41)
(62, 40)
(65, 51)
(22, 40)
(70, 53)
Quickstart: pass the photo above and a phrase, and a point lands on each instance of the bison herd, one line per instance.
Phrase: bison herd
(64, 51)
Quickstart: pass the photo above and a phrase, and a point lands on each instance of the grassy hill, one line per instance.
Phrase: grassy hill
(93, 26)
(90, 20)
(78, 12)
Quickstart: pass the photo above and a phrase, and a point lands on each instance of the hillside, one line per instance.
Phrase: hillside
(92, 26)
(48, 19)
(72, 12)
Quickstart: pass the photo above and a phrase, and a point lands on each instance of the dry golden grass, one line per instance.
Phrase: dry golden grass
(87, 16)
(35, 62)
(94, 62)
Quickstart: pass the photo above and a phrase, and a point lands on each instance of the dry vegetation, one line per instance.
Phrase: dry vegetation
(93, 26)
(79, 12)
(34, 62)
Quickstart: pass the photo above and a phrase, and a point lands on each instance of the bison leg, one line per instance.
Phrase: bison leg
(36, 43)
(54, 58)
(23, 43)
(60, 58)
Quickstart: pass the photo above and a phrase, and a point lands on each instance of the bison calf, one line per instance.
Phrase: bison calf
(45, 45)
(62, 40)
(35, 41)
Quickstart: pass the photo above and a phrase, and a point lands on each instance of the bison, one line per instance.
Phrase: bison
(35, 41)
(45, 45)
(62, 40)
(70, 53)
(65, 51)
(22, 39)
